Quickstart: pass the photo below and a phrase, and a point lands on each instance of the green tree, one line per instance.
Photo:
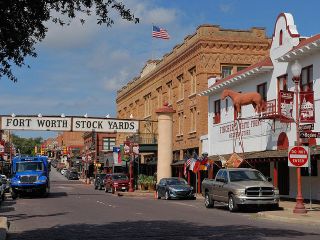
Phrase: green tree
(22, 24)
(25, 145)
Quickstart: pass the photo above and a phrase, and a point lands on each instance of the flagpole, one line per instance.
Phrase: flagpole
(152, 42)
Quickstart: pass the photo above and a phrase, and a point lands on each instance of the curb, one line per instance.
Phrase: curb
(302, 220)
(3, 228)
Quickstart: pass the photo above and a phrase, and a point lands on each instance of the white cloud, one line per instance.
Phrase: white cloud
(73, 36)
(116, 82)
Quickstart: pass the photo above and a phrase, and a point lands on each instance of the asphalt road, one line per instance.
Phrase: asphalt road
(77, 211)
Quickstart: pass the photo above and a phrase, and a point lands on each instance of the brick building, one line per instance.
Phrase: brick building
(184, 72)
(98, 155)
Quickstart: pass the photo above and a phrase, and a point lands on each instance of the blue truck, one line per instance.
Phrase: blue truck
(30, 174)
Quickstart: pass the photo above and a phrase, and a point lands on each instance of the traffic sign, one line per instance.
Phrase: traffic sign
(306, 127)
(298, 156)
(309, 134)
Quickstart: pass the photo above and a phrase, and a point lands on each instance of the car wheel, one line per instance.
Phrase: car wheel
(158, 195)
(233, 206)
(208, 202)
(167, 196)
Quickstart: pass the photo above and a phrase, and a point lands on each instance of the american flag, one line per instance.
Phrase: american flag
(158, 32)
(188, 162)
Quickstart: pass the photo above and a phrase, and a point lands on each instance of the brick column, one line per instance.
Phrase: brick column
(165, 144)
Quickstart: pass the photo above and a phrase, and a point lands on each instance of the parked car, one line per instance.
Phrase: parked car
(72, 175)
(174, 187)
(63, 171)
(5, 183)
(99, 181)
(116, 182)
(240, 187)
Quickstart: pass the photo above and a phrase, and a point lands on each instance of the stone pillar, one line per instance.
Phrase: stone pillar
(165, 144)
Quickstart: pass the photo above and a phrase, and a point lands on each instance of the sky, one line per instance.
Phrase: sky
(79, 68)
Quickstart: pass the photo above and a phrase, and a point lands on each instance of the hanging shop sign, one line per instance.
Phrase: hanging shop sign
(307, 107)
(306, 127)
(309, 134)
(286, 104)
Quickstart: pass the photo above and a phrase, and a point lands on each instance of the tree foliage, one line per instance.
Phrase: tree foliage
(26, 145)
(22, 24)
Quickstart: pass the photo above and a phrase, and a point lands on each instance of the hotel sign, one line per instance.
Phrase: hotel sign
(77, 124)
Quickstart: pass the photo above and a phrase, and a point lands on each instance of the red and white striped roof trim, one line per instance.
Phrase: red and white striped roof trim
(305, 47)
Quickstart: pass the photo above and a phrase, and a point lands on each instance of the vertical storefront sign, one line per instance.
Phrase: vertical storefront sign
(307, 107)
(286, 104)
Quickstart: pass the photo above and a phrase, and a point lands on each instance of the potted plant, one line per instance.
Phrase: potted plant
(151, 183)
(142, 182)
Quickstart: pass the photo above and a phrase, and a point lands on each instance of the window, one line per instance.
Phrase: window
(282, 83)
(217, 109)
(170, 92)
(147, 105)
(227, 104)
(193, 117)
(159, 97)
(239, 68)
(193, 80)
(180, 123)
(180, 87)
(306, 83)
(108, 143)
(226, 71)
(280, 37)
(262, 90)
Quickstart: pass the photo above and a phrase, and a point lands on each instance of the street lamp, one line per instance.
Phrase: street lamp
(296, 72)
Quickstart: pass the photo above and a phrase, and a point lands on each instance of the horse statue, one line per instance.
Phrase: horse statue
(241, 99)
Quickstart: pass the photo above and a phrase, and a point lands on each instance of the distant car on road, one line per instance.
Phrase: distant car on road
(174, 187)
(116, 182)
(63, 171)
(99, 181)
(72, 175)
(5, 182)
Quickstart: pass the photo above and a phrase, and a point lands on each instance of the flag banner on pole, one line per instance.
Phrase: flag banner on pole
(158, 32)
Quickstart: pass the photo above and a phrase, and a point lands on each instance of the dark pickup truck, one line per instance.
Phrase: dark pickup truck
(240, 187)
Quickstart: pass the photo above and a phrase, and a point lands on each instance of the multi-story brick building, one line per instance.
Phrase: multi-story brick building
(98, 152)
(184, 72)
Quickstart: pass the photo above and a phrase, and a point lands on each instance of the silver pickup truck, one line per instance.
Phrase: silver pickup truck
(240, 186)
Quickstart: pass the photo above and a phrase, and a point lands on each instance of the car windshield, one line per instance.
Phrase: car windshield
(119, 177)
(29, 166)
(101, 175)
(246, 175)
(177, 182)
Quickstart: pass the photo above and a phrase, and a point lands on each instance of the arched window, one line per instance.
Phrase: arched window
(280, 37)
(283, 141)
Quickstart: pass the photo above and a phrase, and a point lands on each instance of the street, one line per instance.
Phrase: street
(76, 211)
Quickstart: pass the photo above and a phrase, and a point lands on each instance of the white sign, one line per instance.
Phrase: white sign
(104, 125)
(36, 123)
(69, 124)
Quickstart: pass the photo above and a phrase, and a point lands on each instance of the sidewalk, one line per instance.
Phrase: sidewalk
(286, 214)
